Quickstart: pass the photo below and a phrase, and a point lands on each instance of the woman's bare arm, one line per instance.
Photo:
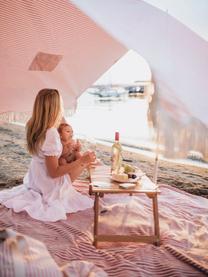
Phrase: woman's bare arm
(74, 169)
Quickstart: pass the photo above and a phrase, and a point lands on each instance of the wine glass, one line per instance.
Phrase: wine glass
(92, 144)
(89, 144)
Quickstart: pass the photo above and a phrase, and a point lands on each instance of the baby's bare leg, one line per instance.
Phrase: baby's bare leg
(78, 155)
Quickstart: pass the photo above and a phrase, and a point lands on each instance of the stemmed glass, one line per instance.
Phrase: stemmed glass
(89, 144)
(92, 144)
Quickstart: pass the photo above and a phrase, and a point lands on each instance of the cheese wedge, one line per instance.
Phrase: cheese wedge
(121, 177)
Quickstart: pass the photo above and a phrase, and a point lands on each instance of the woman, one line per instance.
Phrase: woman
(47, 192)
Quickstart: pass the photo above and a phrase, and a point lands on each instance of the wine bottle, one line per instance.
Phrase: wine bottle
(116, 155)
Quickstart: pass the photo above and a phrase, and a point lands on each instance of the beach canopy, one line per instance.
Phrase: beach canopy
(51, 44)
(70, 44)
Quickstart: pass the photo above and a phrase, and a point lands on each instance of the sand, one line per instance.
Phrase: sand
(15, 160)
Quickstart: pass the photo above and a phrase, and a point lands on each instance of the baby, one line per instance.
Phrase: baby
(71, 148)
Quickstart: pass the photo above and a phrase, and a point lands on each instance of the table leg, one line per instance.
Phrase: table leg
(89, 174)
(96, 213)
(156, 219)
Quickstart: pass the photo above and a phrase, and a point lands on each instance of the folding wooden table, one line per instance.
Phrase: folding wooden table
(100, 175)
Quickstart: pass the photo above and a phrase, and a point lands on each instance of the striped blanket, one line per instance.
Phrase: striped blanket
(183, 225)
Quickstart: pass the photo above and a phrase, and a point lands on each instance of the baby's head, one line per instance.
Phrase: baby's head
(65, 131)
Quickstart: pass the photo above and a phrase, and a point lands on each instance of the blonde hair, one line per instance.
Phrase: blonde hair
(46, 114)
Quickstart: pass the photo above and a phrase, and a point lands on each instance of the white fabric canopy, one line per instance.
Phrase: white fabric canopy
(192, 13)
(178, 57)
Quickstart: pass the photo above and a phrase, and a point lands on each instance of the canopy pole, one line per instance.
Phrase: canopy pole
(155, 172)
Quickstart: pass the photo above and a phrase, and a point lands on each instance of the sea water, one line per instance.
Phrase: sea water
(100, 118)
(97, 119)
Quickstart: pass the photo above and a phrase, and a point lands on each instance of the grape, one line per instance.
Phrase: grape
(132, 175)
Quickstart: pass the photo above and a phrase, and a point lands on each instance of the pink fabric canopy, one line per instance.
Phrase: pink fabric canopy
(50, 43)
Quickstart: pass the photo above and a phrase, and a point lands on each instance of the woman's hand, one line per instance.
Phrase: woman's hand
(88, 157)
(77, 146)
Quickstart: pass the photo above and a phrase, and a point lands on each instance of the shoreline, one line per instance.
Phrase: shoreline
(150, 153)
(14, 162)
(145, 150)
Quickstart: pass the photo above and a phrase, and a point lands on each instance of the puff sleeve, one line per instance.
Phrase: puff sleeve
(52, 145)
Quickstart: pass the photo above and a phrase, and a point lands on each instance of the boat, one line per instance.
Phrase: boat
(107, 93)
(135, 90)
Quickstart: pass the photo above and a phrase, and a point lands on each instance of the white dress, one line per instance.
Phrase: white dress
(42, 197)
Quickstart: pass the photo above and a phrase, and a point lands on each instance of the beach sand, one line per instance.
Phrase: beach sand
(15, 160)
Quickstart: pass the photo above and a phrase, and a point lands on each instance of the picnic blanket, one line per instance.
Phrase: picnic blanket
(183, 226)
